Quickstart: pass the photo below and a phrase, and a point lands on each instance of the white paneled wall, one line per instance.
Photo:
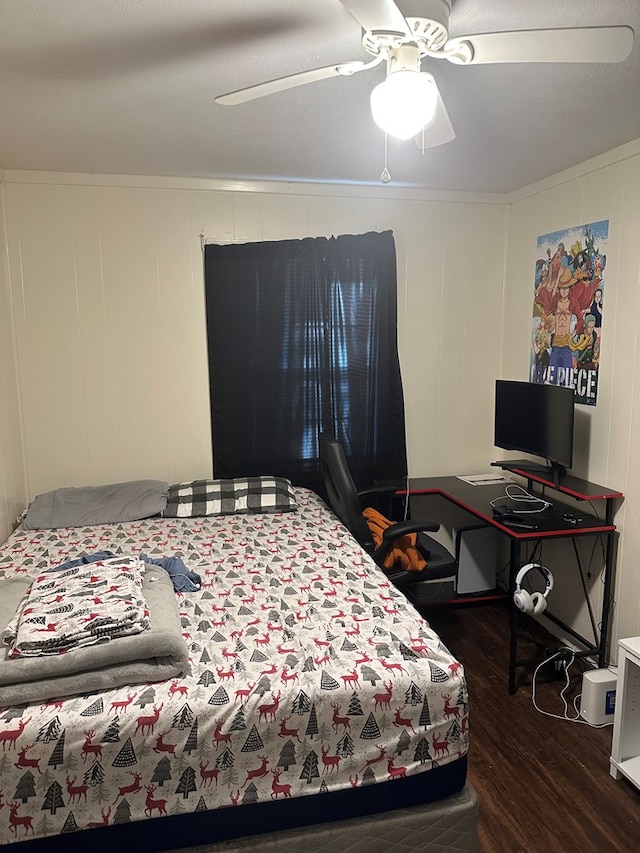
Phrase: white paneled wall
(12, 485)
(110, 326)
(452, 341)
(608, 435)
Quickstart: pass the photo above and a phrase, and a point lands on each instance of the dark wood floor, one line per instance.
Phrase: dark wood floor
(543, 784)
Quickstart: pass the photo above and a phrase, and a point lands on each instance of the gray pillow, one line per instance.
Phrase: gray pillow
(77, 507)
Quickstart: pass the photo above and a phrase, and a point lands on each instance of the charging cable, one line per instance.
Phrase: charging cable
(565, 715)
(519, 495)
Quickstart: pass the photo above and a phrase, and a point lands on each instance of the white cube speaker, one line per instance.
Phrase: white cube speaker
(598, 699)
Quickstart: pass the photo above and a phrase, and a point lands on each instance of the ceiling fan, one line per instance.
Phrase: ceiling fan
(408, 102)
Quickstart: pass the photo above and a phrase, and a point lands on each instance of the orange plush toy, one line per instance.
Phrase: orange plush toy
(403, 553)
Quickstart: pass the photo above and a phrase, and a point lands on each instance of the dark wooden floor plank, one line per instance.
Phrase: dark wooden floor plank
(543, 783)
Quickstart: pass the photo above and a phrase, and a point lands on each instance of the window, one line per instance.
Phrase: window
(302, 338)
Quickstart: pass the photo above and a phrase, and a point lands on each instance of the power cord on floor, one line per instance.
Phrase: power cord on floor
(560, 654)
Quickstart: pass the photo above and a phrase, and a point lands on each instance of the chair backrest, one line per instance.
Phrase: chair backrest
(342, 492)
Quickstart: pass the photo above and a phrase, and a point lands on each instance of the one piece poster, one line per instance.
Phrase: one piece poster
(568, 309)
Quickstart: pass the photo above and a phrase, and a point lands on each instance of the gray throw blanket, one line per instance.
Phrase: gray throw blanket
(154, 655)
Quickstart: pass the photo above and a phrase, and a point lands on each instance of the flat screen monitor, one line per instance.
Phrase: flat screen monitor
(536, 419)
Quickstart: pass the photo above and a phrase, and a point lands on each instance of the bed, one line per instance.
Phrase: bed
(310, 693)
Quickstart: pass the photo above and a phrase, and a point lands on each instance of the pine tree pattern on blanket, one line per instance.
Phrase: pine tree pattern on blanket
(309, 673)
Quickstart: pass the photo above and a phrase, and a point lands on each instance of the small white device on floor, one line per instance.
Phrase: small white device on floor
(598, 700)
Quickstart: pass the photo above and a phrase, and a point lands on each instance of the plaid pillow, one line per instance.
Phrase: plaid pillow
(225, 497)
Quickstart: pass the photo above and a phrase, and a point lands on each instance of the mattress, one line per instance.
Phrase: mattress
(314, 690)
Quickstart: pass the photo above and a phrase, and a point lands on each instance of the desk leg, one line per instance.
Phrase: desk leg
(606, 595)
(514, 568)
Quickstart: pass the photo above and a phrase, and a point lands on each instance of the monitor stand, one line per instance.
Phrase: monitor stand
(552, 472)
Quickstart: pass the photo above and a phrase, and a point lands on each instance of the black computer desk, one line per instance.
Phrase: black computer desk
(476, 500)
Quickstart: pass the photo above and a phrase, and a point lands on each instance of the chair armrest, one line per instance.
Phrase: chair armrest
(390, 534)
(409, 526)
(380, 489)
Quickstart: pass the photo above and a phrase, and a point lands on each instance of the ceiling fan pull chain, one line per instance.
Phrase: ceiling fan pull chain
(385, 175)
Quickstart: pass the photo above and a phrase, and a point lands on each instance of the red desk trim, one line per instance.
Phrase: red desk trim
(569, 530)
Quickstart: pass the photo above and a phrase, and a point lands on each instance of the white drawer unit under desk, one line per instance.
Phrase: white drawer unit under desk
(625, 747)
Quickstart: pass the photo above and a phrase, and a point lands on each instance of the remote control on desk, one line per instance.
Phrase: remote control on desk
(513, 520)
(519, 525)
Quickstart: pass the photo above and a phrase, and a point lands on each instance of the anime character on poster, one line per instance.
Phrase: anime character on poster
(568, 309)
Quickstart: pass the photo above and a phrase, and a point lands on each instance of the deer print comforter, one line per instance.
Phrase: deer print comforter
(65, 610)
(309, 672)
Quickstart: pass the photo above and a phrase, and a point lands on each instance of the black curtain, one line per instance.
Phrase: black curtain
(302, 338)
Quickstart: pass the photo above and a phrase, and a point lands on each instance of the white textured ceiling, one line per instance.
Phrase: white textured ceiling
(127, 87)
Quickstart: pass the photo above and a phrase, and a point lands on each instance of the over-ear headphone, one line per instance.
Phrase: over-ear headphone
(535, 602)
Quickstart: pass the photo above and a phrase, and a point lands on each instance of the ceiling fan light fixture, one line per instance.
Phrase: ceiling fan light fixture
(404, 103)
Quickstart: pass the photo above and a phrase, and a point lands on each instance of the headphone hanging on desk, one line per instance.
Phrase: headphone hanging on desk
(536, 602)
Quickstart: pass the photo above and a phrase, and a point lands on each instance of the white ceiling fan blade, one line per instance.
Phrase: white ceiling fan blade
(378, 16)
(439, 131)
(586, 44)
(260, 90)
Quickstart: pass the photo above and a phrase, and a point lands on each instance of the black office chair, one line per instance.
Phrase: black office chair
(347, 503)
